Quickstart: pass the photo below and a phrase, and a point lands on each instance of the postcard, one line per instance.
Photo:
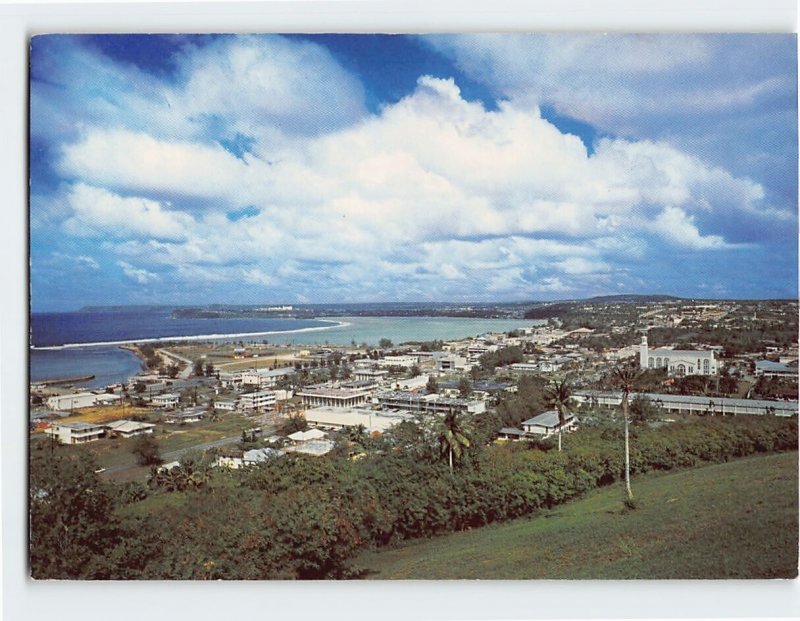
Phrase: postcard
(413, 307)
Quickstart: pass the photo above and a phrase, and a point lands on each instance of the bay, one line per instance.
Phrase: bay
(76, 344)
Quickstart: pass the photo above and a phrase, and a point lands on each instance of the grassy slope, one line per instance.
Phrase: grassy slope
(734, 520)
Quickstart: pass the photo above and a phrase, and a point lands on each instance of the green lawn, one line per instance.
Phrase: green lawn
(733, 520)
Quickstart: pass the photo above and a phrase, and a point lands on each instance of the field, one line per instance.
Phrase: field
(104, 414)
(732, 520)
(116, 452)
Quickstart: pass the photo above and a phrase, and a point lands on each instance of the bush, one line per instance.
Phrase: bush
(304, 517)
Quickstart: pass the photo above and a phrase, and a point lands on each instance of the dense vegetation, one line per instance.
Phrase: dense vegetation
(301, 517)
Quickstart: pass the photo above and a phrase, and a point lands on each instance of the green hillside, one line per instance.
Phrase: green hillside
(732, 520)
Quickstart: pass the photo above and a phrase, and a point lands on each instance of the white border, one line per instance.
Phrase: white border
(23, 599)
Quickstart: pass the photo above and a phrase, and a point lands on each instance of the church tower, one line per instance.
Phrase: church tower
(643, 353)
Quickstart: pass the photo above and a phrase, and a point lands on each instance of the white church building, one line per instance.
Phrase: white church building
(676, 361)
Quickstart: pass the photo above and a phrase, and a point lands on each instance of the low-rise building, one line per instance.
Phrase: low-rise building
(406, 361)
(316, 396)
(78, 400)
(767, 368)
(186, 416)
(225, 406)
(547, 424)
(341, 418)
(260, 400)
(690, 404)
(129, 428)
(76, 433)
(446, 364)
(433, 403)
(370, 375)
(168, 400)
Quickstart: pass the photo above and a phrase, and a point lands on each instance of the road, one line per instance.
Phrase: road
(177, 454)
(187, 370)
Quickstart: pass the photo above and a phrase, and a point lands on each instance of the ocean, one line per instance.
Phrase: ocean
(86, 343)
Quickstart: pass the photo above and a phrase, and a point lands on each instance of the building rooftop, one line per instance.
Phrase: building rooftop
(334, 393)
(128, 426)
(547, 419)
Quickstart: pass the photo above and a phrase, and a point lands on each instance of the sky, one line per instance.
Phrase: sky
(245, 169)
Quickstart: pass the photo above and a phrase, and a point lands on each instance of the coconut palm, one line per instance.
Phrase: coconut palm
(558, 396)
(624, 377)
(452, 438)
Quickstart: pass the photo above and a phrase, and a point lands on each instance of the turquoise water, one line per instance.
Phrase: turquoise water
(110, 364)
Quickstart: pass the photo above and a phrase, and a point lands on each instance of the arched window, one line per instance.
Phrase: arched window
(666, 363)
(658, 362)
(650, 362)
(705, 366)
(682, 369)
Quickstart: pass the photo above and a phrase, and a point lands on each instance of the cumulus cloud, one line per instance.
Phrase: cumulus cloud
(678, 227)
(433, 195)
(98, 212)
(136, 274)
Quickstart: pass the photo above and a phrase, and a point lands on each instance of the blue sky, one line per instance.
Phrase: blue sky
(264, 169)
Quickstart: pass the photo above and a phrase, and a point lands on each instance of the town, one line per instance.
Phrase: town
(245, 402)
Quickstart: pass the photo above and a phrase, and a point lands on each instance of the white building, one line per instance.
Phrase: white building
(76, 433)
(677, 361)
(445, 364)
(546, 424)
(76, 401)
(129, 428)
(339, 418)
(264, 378)
(398, 361)
(226, 406)
(263, 399)
(335, 397)
(370, 375)
(169, 400)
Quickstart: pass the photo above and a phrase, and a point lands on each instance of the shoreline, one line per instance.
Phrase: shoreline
(197, 337)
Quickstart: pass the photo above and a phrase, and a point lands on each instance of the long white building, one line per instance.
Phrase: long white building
(677, 361)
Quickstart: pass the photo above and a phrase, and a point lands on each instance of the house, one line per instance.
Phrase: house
(187, 416)
(129, 428)
(76, 433)
(168, 400)
(546, 424)
(510, 433)
(256, 456)
(767, 368)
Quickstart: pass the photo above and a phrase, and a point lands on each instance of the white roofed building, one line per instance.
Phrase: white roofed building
(677, 361)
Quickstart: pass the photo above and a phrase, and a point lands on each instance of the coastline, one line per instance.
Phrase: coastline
(195, 337)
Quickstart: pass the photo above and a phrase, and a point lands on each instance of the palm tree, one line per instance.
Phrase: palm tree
(558, 396)
(453, 439)
(625, 377)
